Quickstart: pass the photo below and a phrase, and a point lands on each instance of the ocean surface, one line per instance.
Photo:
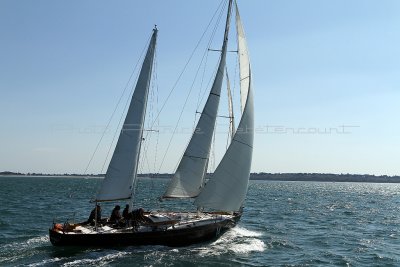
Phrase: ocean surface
(284, 224)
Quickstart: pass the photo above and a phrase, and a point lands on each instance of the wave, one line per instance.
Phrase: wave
(100, 261)
(44, 262)
(238, 240)
(23, 244)
(17, 250)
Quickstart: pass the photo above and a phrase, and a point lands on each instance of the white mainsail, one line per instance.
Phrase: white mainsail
(122, 169)
(189, 176)
(227, 188)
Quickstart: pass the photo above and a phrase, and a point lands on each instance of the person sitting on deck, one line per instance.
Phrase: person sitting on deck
(138, 217)
(125, 214)
(93, 216)
(115, 215)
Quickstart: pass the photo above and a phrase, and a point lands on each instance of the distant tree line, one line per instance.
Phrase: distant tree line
(317, 177)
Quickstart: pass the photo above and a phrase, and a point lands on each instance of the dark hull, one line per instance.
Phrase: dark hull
(170, 237)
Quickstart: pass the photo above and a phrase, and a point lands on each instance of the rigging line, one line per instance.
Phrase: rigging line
(213, 150)
(176, 126)
(124, 110)
(209, 82)
(155, 84)
(201, 86)
(145, 160)
(187, 63)
(235, 77)
(147, 139)
(206, 52)
(116, 131)
(205, 55)
(116, 107)
(186, 100)
(195, 77)
(157, 121)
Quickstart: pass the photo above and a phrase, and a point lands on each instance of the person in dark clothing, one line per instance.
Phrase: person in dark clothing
(125, 214)
(115, 215)
(93, 216)
(138, 217)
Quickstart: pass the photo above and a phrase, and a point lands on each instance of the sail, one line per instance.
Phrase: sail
(244, 61)
(189, 176)
(227, 188)
(122, 169)
(230, 108)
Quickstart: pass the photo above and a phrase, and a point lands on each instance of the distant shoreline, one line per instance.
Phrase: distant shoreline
(313, 177)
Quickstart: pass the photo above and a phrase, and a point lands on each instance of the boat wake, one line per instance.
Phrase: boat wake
(238, 240)
(28, 243)
(96, 260)
(17, 250)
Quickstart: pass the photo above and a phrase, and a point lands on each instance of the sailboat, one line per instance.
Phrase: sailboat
(218, 203)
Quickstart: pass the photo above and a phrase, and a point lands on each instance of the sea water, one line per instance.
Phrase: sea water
(283, 224)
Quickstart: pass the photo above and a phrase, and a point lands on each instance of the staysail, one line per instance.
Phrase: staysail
(122, 169)
(227, 188)
(188, 178)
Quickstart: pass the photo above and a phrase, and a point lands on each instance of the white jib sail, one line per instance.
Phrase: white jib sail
(227, 188)
(189, 176)
(122, 169)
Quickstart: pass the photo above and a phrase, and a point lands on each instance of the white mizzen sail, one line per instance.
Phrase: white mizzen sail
(122, 169)
(189, 176)
(227, 188)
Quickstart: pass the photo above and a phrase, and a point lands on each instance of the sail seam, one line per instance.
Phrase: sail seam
(215, 94)
(242, 143)
(195, 157)
(108, 200)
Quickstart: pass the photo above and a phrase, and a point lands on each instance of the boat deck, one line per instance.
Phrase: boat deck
(157, 221)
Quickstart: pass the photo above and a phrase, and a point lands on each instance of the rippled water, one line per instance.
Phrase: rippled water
(284, 224)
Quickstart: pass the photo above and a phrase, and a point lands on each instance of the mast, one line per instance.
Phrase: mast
(122, 170)
(188, 178)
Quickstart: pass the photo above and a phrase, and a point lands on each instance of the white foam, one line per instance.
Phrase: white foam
(30, 242)
(243, 232)
(238, 240)
(101, 261)
(37, 240)
(43, 262)
(254, 245)
(18, 249)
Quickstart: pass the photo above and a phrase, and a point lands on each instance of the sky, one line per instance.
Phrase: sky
(326, 78)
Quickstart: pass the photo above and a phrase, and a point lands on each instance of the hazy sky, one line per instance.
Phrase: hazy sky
(326, 78)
